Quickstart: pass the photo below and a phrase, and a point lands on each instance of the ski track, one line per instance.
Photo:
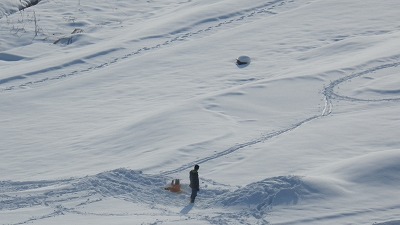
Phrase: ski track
(182, 34)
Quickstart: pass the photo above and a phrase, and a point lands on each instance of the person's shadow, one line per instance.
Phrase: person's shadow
(187, 209)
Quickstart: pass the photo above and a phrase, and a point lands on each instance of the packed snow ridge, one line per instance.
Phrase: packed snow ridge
(70, 196)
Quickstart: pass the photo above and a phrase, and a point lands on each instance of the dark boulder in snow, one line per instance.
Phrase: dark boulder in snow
(243, 61)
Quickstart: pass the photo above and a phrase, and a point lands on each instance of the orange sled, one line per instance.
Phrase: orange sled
(175, 186)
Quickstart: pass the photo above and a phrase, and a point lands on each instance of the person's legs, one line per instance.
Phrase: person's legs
(193, 196)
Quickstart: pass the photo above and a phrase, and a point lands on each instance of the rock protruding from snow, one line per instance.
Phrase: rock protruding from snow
(243, 61)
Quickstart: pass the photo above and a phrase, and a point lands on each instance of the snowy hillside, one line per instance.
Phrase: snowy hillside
(103, 103)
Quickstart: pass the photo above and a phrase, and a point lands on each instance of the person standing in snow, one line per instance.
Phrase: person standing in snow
(194, 182)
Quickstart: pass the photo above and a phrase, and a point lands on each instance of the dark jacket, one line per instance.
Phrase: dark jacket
(194, 180)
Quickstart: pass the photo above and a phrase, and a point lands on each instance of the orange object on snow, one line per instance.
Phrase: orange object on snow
(175, 186)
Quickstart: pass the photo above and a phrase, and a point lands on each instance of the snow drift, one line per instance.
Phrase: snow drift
(373, 169)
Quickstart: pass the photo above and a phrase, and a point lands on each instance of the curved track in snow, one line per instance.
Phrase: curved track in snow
(329, 95)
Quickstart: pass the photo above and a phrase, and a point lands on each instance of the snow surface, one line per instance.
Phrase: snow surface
(103, 103)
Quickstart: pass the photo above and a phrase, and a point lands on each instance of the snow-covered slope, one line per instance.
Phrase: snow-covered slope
(103, 103)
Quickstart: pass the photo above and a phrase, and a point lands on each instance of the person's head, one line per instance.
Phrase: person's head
(196, 167)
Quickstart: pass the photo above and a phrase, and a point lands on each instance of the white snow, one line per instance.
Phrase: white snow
(103, 103)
